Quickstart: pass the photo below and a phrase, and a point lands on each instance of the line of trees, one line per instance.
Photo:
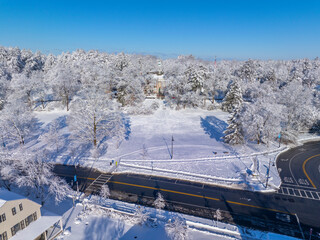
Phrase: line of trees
(263, 97)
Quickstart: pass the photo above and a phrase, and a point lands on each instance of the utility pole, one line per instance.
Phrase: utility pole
(299, 226)
(77, 189)
(172, 147)
(279, 138)
(268, 173)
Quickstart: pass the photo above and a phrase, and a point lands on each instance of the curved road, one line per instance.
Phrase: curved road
(298, 200)
(299, 170)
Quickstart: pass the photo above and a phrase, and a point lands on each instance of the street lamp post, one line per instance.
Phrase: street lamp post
(172, 147)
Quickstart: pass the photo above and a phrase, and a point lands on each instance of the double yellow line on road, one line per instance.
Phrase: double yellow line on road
(304, 169)
(199, 196)
(188, 194)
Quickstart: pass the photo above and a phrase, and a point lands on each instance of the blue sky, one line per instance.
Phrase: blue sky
(283, 29)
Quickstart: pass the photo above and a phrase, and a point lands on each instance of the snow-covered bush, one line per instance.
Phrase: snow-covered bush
(139, 110)
(155, 105)
(289, 137)
(159, 203)
(144, 108)
(104, 192)
(141, 215)
(177, 229)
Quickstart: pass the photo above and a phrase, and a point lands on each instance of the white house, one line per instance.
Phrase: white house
(21, 218)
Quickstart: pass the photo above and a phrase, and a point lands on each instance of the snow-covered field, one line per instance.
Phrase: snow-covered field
(198, 151)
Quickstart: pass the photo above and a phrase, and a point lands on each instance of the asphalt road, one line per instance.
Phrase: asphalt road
(299, 167)
(276, 212)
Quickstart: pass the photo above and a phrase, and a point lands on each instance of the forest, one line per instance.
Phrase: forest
(264, 98)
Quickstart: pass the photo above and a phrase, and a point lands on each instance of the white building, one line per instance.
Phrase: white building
(21, 218)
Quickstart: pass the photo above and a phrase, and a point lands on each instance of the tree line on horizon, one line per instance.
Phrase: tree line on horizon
(264, 98)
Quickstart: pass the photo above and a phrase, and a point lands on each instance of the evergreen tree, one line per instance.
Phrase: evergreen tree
(233, 99)
(248, 71)
(234, 133)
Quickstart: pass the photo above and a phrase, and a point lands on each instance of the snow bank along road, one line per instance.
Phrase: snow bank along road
(277, 212)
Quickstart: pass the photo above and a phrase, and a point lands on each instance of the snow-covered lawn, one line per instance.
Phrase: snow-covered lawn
(198, 151)
(119, 220)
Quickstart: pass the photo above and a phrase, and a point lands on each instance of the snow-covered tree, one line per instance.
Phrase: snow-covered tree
(37, 175)
(261, 121)
(186, 82)
(8, 172)
(52, 139)
(141, 215)
(159, 203)
(144, 151)
(234, 133)
(95, 119)
(233, 99)
(248, 71)
(300, 111)
(65, 82)
(17, 121)
(129, 91)
(121, 61)
(218, 214)
(177, 229)
(105, 191)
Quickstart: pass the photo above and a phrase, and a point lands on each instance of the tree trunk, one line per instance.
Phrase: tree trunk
(94, 131)
(29, 100)
(42, 103)
(19, 133)
(67, 101)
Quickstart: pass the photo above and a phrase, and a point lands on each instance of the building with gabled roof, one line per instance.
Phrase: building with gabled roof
(22, 218)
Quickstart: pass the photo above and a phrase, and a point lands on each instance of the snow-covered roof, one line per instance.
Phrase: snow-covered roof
(37, 227)
(6, 195)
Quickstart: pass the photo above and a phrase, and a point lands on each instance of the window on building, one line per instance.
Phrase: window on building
(3, 236)
(29, 219)
(20, 207)
(15, 229)
(34, 216)
(14, 211)
(22, 224)
(0, 222)
(3, 217)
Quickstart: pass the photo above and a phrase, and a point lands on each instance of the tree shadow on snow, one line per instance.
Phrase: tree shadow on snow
(79, 151)
(214, 127)
(146, 232)
(127, 125)
(103, 229)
